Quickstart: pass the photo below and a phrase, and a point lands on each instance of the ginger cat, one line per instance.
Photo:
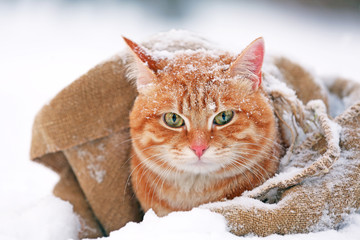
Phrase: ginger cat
(202, 127)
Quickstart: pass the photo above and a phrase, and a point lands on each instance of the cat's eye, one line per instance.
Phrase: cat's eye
(173, 120)
(223, 117)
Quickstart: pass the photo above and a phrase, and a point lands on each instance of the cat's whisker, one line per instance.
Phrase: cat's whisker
(257, 135)
(258, 153)
(158, 176)
(137, 166)
(250, 144)
(162, 176)
(238, 156)
(142, 151)
(254, 163)
(254, 152)
(239, 168)
(165, 177)
(177, 172)
(129, 177)
(130, 139)
(268, 139)
(151, 166)
(234, 147)
(272, 142)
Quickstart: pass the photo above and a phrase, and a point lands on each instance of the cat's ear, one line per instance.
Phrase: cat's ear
(145, 65)
(249, 62)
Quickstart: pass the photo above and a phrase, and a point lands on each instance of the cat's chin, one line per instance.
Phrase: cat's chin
(200, 166)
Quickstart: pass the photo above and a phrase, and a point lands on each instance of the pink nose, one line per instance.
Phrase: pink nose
(199, 149)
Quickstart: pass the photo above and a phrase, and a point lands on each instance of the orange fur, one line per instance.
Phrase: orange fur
(166, 174)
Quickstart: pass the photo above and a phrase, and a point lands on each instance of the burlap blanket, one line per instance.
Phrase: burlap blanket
(83, 135)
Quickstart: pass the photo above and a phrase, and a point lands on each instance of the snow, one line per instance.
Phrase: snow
(179, 37)
(203, 225)
(94, 167)
(178, 41)
(48, 218)
(46, 45)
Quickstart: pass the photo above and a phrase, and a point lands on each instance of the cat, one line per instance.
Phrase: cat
(202, 127)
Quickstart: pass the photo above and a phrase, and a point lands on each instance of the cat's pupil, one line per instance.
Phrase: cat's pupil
(173, 120)
(223, 117)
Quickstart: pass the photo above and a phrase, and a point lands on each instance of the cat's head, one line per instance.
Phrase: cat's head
(200, 112)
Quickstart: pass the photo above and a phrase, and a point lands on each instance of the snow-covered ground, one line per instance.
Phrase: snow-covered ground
(45, 46)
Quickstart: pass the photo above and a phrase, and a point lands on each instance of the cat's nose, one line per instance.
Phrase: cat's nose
(199, 149)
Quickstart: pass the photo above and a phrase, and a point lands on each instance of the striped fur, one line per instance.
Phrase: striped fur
(166, 174)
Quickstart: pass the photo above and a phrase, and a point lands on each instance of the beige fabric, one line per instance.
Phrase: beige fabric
(95, 105)
(298, 79)
(321, 165)
(83, 135)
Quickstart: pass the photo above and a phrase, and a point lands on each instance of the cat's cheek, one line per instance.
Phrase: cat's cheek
(149, 138)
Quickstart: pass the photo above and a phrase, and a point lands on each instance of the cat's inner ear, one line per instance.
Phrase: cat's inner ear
(249, 62)
(145, 65)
